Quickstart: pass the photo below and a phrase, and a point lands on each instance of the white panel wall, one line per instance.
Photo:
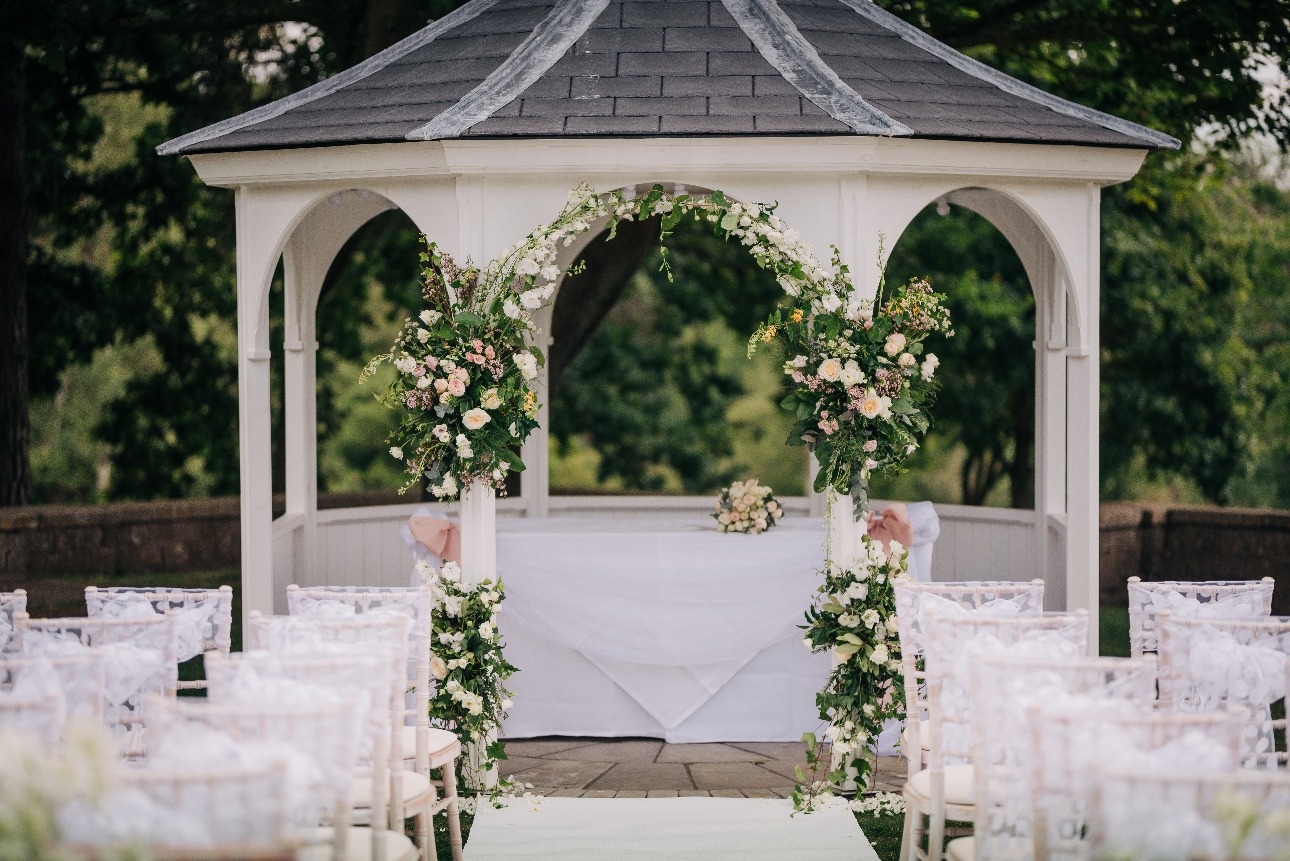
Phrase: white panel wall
(361, 546)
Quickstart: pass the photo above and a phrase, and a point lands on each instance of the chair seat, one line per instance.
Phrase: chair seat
(1014, 849)
(359, 847)
(924, 737)
(414, 786)
(441, 742)
(959, 789)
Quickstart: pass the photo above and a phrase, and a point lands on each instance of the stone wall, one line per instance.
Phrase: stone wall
(119, 538)
(1157, 542)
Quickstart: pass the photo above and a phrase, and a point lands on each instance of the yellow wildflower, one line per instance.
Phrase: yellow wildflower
(530, 403)
(796, 316)
(769, 333)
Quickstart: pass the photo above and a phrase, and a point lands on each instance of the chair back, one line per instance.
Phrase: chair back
(313, 723)
(1215, 599)
(205, 615)
(11, 604)
(1070, 741)
(1002, 687)
(419, 602)
(1207, 664)
(139, 655)
(1179, 814)
(80, 678)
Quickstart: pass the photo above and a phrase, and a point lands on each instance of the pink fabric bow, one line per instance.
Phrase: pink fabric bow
(440, 537)
(892, 524)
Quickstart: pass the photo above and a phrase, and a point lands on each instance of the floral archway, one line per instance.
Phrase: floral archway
(861, 384)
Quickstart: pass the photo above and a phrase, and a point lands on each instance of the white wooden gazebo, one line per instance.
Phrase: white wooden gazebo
(477, 127)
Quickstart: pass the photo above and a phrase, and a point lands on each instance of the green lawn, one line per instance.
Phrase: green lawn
(1113, 631)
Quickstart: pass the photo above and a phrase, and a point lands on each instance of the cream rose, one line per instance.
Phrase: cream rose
(851, 373)
(490, 400)
(475, 419)
(831, 370)
(871, 405)
(438, 668)
(895, 343)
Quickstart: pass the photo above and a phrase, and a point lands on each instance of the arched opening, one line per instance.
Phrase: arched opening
(981, 450)
(650, 390)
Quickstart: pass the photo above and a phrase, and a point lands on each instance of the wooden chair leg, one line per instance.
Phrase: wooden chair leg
(425, 836)
(454, 818)
(907, 852)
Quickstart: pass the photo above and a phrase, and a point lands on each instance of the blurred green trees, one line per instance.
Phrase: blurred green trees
(129, 275)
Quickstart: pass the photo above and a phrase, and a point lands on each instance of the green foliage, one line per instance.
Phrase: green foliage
(987, 373)
(653, 387)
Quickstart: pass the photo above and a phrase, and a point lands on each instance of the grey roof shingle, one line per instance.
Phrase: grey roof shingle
(574, 68)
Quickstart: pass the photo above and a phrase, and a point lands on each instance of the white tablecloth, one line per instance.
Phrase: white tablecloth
(663, 628)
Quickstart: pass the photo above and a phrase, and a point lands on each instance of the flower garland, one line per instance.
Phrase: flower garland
(853, 616)
(860, 393)
(466, 363)
(747, 506)
(467, 662)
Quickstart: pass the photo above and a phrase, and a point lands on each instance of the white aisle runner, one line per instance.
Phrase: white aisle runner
(664, 829)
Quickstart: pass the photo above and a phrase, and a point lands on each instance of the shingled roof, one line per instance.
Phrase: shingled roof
(650, 68)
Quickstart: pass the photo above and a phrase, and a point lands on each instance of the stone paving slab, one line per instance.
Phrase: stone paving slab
(645, 776)
(705, 753)
(615, 751)
(632, 768)
(738, 775)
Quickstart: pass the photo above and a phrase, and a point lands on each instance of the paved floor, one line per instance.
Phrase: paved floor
(649, 768)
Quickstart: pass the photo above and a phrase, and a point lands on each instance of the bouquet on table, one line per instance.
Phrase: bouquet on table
(747, 506)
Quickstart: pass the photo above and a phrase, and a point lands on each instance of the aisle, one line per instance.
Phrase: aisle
(664, 829)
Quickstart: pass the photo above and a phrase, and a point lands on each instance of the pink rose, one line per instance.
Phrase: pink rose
(432, 363)
(456, 388)
(419, 371)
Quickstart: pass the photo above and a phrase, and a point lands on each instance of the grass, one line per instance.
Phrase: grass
(1113, 631)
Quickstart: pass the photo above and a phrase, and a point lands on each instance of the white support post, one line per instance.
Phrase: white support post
(254, 429)
(479, 533)
(535, 480)
(1082, 433)
(300, 400)
(1050, 415)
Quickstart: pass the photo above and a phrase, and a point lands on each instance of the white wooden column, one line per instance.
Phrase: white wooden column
(254, 424)
(1082, 428)
(300, 405)
(535, 480)
(478, 502)
(1050, 420)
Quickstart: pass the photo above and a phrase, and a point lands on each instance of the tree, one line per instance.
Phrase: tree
(170, 239)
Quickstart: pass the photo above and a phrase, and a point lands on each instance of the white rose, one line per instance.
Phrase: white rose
(396, 453)
(929, 366)
(486, 631)
(871, 406)
(423, 335)
(551, 273)
(531, 299)
(892, 624)
(438, 668)
(831, 370)
(406, 364)
(870, 618)
(450, 571)
(851, 373)
(441, 433)
(895, 343)
(490, 400)
(475, 419)
(425, 382)
(510, 309)
(830, 303)
(906, 360)
(527, 266)
(527, 364)
(430, 317)
(448, 488)
(879, 655)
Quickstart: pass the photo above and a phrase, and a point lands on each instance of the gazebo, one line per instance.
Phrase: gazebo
(478, 125)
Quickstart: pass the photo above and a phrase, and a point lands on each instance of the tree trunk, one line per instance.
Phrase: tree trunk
(15, 429)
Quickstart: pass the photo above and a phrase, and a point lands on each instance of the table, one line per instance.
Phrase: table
(663, 628)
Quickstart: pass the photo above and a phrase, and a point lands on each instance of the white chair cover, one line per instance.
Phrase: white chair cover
(1209, 664)
(1163, 813)
(225, 812)
(204, 616)
(11, 604)
(996, 597)
(1003, 689)
(31, 699)
(1227, 600)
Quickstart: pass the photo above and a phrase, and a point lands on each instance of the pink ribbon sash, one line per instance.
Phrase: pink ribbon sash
(440, 537)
